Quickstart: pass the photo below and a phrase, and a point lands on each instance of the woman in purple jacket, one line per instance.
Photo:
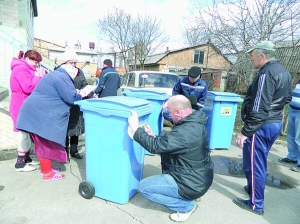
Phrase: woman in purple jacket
(22, 83)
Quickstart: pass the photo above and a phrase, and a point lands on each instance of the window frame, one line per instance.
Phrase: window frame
(199, 56)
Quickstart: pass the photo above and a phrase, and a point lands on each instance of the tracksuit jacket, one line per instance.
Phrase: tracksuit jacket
(266, 97)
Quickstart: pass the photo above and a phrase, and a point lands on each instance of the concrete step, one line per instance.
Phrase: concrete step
(3, 93)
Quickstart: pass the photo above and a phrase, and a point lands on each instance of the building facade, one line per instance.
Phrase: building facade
(16, 32)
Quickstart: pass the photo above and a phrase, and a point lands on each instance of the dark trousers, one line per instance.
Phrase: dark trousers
(73, 142)
(255, 153)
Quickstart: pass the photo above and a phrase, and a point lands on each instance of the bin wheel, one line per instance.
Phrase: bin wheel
(86, 190)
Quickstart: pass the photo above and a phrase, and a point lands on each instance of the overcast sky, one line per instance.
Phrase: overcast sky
(76, 20)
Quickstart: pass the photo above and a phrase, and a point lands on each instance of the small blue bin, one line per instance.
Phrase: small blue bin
(220, 107)
(157, 98)
(114, 162)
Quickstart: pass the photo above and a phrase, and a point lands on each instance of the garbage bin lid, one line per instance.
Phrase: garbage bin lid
(147, 94)
(224, 96)
(117, 105)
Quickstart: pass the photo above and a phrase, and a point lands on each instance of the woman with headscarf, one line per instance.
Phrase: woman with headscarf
(76, 121)
(45, 115)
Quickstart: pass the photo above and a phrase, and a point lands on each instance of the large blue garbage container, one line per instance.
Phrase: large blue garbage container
(114, 162)
(157, 98)
(220, 107)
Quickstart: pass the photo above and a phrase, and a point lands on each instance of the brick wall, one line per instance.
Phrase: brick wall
(185, 58)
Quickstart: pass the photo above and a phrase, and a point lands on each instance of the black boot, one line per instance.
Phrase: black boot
(74, 152)
(68, 154)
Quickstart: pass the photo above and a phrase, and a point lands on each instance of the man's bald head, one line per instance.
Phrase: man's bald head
(179, 107)
(179, 102)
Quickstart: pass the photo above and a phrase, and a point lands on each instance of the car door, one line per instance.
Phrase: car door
(127, 83)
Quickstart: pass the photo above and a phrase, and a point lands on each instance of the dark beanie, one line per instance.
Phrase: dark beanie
(107, 62)
(194, 72)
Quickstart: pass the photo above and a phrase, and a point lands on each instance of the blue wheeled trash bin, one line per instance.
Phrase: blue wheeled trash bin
(220, 107)
(157, 98)
(114, 162)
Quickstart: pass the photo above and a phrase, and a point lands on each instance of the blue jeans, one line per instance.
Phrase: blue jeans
(293, 135)
(163, 189)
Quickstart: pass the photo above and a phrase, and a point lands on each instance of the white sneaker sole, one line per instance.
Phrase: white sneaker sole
(181, 217)
(26, 168)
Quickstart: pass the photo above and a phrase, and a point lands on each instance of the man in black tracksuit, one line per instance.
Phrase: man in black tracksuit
(109, 81)
(262, 115)
(187, 169)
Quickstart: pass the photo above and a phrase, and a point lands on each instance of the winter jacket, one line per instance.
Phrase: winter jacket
(185, 154)
(76, 122)
(109, 83)
(46, 111)
(266, 97)
(22, 83)
(186, 88)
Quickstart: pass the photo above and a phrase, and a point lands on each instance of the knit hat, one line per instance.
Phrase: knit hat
(264, 45)
(70, 55)
(194, 72)
(107, 62)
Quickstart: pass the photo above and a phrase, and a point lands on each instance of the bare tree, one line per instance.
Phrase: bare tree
(115, 29)
(234, 26)
(148, 36)
(133, 37)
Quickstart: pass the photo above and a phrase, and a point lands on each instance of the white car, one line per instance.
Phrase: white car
(155, 80)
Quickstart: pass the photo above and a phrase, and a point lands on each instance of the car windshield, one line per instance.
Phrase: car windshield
(162, 80)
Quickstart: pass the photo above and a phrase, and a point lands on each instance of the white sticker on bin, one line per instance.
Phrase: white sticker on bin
(226, 111)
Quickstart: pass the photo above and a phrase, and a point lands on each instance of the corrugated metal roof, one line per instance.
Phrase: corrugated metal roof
(153, 59)
(290, 58)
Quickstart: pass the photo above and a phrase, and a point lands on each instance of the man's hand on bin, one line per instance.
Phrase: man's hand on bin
(133, 121)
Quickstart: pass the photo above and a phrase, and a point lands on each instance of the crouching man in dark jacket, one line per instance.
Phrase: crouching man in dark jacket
(187, 169)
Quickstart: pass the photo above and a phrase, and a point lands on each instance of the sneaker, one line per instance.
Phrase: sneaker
(21, 165)
(181, 217)
(25, 168)
(296, 168)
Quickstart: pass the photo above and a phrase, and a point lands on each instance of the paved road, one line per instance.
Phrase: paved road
(25, 199)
